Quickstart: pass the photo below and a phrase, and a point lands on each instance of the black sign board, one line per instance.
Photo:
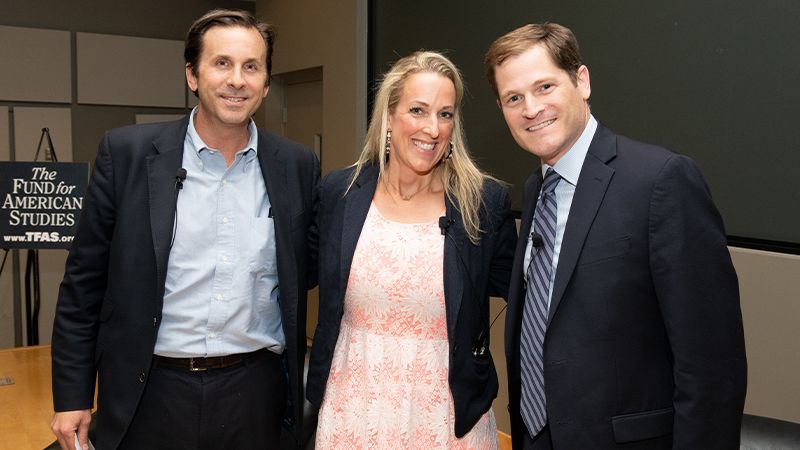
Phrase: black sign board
(40, 203)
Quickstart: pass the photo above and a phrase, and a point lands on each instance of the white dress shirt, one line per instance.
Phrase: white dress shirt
(569, 168)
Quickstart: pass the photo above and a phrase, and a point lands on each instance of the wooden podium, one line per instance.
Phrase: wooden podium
(26, 406)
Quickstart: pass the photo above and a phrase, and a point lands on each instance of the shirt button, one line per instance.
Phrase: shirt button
(212, 335)
(224, 182)
(225, 258)
(220, 297)
(224, 220)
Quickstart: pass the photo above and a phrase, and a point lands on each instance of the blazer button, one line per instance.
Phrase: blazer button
(155, 321)
(141, 377)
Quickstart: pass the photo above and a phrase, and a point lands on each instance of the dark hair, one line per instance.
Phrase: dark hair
(560, 42)
(226, 18)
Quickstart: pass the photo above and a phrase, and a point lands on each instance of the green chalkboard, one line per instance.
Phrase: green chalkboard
(716, 80)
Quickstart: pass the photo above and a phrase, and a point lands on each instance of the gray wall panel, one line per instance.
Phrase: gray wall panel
(124, 70)
(36, 65)
(155, 118)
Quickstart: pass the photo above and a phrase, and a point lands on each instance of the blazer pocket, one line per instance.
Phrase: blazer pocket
(642, 425)
(605, 250)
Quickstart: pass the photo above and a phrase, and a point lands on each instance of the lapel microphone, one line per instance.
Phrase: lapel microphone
(536, 240)
(444, 224)
(180, 177)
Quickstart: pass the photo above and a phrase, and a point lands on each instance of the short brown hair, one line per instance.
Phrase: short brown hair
(226, 18)
(560, 42)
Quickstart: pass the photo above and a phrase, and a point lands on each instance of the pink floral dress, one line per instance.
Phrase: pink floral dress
(388, 387)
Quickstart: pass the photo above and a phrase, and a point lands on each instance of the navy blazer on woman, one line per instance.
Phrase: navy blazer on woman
(471, 274)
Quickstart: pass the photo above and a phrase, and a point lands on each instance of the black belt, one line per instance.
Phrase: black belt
(200, 364)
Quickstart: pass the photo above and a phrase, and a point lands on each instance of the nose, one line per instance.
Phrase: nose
(236, 80)
(432, 127)
(532, 108)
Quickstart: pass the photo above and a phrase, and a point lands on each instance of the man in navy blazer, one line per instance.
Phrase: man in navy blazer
(185, 289)
(643, 345)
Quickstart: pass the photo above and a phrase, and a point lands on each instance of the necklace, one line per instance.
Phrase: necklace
(406, 197)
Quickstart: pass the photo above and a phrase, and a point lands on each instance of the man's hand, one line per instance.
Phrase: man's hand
(65, 424)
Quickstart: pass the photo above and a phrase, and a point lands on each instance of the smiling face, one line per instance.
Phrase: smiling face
(422, 123)
(230, 77)
(544, 109)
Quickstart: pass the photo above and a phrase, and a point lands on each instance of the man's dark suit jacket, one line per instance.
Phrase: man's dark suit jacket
(109, 305)
(644, 347)
(471, 274)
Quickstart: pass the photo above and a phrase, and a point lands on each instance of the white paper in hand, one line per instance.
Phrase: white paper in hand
(78, 445)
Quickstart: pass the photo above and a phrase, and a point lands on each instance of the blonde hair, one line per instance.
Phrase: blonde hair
(462, 179)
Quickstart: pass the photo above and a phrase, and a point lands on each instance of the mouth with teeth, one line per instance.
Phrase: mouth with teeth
(233, 99)
(541, 125)
(426, 146)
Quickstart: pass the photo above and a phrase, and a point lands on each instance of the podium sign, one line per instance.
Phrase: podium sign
(40, 203)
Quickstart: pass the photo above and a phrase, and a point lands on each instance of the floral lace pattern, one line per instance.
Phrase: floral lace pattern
(388, 386)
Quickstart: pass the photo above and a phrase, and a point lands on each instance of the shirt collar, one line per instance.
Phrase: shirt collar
(197, 144)
(569, 166)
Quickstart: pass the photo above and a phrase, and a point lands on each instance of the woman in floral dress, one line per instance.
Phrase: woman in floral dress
(414, 238)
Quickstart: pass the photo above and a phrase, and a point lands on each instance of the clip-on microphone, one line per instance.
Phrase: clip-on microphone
(444, 224)
(180, 177)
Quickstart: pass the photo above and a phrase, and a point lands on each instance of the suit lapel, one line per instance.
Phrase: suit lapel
(592, 185)
(273, 170)
(356, 207)
(161, 170)
(455, 243)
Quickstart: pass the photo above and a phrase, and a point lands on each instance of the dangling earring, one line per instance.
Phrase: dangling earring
(388, 143)
(450, 153)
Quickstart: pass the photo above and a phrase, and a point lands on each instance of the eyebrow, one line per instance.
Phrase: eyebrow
(420, 102)
(229, 57)
(506, 93)
(538, 82)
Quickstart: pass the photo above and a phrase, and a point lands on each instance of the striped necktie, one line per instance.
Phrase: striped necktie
(533, 405)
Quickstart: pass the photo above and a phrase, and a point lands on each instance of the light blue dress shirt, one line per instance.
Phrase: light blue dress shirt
(221, 293)
(569, 167)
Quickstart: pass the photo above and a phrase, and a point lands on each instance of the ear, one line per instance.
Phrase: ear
(499, 106)
(191, 80)
(584, 85)
(266, 91)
